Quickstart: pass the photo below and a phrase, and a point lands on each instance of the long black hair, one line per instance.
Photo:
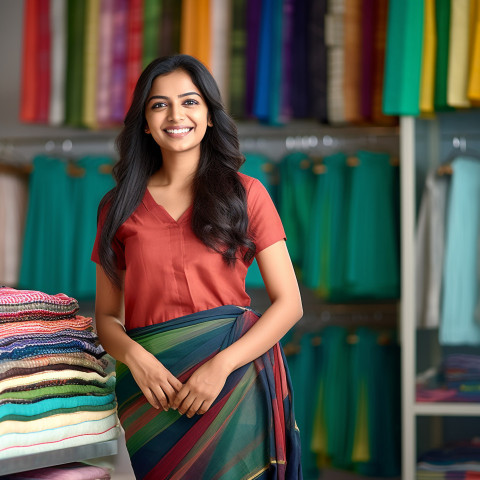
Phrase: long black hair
(219, 217)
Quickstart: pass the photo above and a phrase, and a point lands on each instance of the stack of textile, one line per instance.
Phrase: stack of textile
(458, 461)
(55, 389)
(70, 471)
(458, 380)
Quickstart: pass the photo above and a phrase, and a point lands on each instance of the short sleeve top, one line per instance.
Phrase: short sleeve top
(169, 272)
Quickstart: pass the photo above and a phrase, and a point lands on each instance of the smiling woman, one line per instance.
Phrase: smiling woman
(203, 387)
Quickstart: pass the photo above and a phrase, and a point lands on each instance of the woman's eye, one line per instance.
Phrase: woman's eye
(191, 102)
(158, 105)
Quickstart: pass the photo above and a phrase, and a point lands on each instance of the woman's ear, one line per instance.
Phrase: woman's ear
(209, 121)
(147, 130)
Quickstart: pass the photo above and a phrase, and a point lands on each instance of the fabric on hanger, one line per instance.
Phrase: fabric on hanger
(430, 250)
(367, 32)
(119, 60)
(459, 54)
(92, 15)
(353, 48)
(381, 15)
(58, 15)
(195, 30)
(76, 12)
(304, 369)
(42, 96)
(264, 80)
(287, 37)
(238, 63)
(460, 281)
(170, 27)
(427, 89)
(152, 14)
(300, 77)
(442, 16)
(332, 420)
(47, 258)
(134, 48)
(28, 106)
(317, 61)
(372, 264)
(87, 190)
(334, 39)
(295, 201)
(403, 58)
(254, 16)
(474, 80)
(105, 49)
(13, 203)
(221, 26)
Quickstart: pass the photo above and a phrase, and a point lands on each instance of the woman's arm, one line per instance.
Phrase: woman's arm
(156, 382)
(278, 274)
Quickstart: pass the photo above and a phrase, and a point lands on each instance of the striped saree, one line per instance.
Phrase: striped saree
(249, 432)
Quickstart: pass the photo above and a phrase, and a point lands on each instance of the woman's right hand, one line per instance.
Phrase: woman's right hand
(158, 384)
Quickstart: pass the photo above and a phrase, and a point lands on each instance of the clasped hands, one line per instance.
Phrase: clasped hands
(163, 390)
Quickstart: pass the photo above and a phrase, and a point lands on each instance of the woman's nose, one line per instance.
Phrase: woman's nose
(175, 113)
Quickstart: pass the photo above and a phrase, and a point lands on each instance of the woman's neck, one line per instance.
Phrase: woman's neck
(177, 170)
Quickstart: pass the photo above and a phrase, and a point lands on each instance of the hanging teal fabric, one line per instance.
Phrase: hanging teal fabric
(332, 421)
(47, 259)
(87, 192)
(304, 366)
(403, 59)
(258, 166)
(372, 265)
(324, 261)
(376, 373)
(296, 189)
(460, 281)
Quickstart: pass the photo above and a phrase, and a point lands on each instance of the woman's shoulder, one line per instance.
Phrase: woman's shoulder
(250, 183)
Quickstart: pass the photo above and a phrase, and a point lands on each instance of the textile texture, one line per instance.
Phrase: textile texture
(248, 432)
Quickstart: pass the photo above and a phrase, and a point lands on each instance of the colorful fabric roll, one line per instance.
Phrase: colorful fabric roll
(70, 471)
(250, 429)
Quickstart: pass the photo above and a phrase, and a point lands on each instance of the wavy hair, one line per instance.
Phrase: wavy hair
(219, 217)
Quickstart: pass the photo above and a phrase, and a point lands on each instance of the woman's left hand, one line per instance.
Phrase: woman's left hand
(201, 389)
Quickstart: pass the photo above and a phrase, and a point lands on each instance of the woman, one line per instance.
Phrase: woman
(202, 385)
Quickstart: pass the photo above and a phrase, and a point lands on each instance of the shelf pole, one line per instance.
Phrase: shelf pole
(407, 313)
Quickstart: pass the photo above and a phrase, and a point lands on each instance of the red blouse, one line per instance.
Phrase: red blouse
(171, 273)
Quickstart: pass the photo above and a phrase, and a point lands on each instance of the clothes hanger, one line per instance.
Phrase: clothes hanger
(460, 147)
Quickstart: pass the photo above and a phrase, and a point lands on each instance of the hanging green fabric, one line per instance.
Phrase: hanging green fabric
(47, 259)
(88, 190)
(238, 39)
(296, 189)
(74, 84)
(373, 251)
(332, 421)
(152, 14)
(260, 167)
(442, 15)
(403, 62)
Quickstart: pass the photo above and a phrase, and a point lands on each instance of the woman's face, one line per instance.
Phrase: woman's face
(176, 113)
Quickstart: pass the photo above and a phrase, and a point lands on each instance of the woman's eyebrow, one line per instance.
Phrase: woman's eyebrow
(163, 97)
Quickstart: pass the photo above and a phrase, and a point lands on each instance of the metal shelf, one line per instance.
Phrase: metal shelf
(447, 409)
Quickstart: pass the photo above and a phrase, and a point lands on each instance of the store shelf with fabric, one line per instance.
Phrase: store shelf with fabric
(440, 347)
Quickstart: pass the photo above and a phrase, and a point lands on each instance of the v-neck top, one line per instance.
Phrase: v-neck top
(169, 272)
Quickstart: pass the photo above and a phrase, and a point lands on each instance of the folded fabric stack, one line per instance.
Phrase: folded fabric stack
(459, 461)
(462, 374)
(70, 471)
(55, 389)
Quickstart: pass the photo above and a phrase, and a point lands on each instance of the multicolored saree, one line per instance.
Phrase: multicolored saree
(248, 433)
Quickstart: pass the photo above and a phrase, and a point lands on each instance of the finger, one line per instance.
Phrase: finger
(186, 404)
(194, 408)
(151, 398)
(204, 407)
(169, 392)
(161, 398)
(180, 397)
(175, 383)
